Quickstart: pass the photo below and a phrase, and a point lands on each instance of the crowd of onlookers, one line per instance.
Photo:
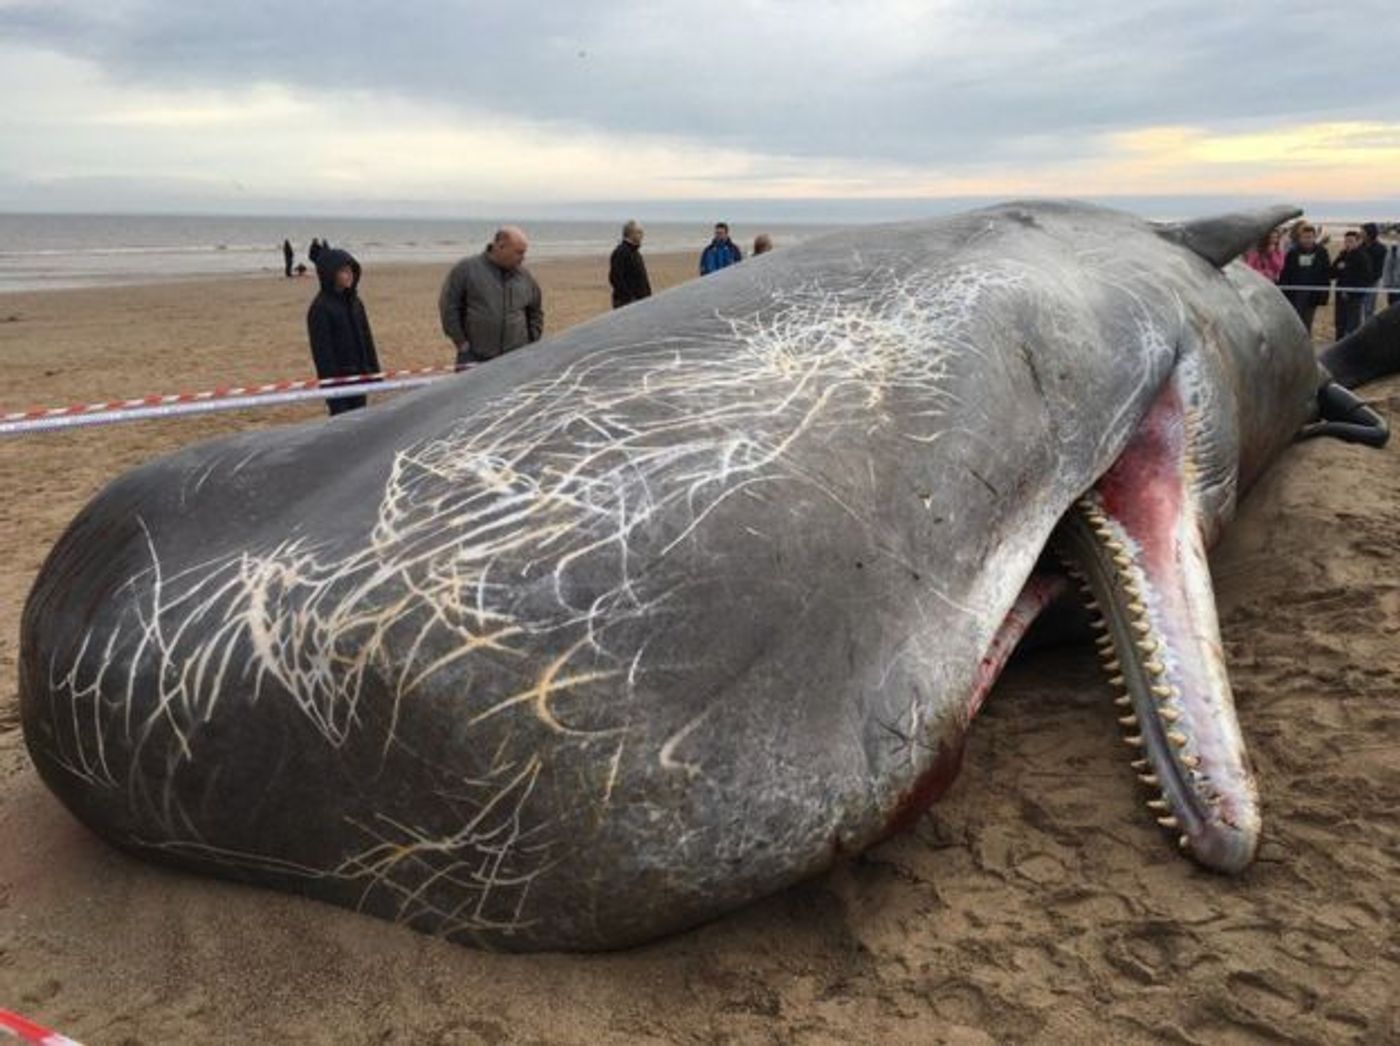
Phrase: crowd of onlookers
(489, 304)
(1305, 271)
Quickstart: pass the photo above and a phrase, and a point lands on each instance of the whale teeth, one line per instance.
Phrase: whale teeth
(1123, 701)
(1156, 668)
(1136, 607)
(1133, 740)
(1112, 665)
(1092, 605)
(1147, 646)
(1171, 715)
(1149, 779)
(1177, 738)
(1162, 690)
(1190, 761)
(1184, 843)
(1168, 822)
(1157, 804)
(1140, 764)
(1127, 720)
(1116, 681)
(1122, 560)
(1141, 627)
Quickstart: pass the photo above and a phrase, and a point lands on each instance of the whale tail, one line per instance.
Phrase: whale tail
(1371, 351)
(1223, 238)
(1366, 354)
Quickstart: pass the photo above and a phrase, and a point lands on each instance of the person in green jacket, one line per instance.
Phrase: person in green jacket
(490, 304)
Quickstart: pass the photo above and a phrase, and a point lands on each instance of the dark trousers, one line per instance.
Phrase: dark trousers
(344, 403)
(1305, 312)
(1369, 301)
(1348, 313)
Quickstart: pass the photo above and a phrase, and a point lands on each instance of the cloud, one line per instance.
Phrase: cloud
(655, 100)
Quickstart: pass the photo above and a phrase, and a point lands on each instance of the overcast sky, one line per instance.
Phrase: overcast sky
(465, 107)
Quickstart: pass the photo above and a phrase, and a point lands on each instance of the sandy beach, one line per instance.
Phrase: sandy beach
(1036, 902)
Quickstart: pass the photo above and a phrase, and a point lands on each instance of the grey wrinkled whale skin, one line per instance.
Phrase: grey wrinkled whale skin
(620, 632)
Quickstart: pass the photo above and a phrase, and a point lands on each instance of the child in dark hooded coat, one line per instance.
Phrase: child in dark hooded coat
(341, 342)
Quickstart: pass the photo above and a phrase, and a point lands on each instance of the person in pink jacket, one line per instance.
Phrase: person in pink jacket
(1266, 256)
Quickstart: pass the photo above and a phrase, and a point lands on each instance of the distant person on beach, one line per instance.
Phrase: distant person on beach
(490, 304)
(762, 244)
(721, 253)
(341, 342)
(288, 255)
(1266, 257)
(314, 251)
(1307, 265)
(1375, 251)
(627, 269)
(1352, 271)
(1390, 274)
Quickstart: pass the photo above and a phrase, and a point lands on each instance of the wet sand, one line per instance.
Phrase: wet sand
(1036, 903)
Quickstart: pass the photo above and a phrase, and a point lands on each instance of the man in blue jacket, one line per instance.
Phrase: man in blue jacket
(721, 253)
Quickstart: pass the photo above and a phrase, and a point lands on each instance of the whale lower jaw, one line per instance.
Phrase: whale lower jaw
(1136, 545)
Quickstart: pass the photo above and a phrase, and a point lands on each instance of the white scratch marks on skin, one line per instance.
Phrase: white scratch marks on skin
(666, 757)
(521, 559)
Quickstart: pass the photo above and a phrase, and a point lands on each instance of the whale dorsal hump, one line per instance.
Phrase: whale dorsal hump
(1221, 239)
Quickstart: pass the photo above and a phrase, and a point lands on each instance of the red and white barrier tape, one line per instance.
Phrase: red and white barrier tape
(46, 419)
(27, 1031)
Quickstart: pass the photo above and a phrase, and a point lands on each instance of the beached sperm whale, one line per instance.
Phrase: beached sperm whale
(622, 631)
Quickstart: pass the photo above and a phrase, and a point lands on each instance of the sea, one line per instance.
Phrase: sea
(42, 251)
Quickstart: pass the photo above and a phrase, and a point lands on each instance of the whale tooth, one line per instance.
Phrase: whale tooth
(1157, 804)
(1091, 605)
(1133, 740)
(1099, 625)
(1123, 701)
(1190, 761)
(1127, 720)
(1140, 764)
(1177, 738)
(1116, 681)
(1122, 560)
(1141, 627)
(1184, 843)
(1136, 607)
(1147, 646)
(1112, 665)
(1168, 822)
(1155, 667)
(1162, 690)
(1149, 779)
(1171, 715)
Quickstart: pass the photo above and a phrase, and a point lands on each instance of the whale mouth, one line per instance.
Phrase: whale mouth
(1135, 544)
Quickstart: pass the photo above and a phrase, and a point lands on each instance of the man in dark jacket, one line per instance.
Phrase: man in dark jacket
(1307, 265)
(287, 256)
(341, 342)
(627, 269)
(1352, 271)
(721, 252)
(490, 304)
(1375, 251)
